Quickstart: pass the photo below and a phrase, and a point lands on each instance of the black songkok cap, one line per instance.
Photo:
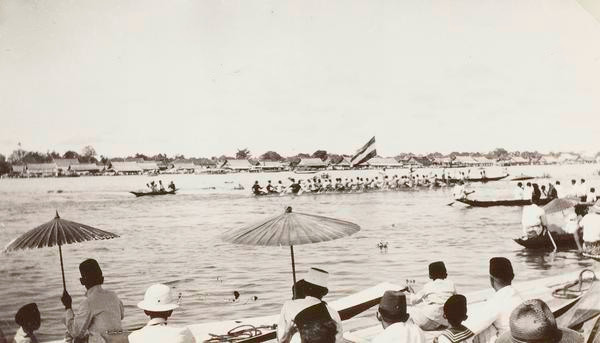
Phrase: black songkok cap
(501, 268)
(437, 270)
(90, 269)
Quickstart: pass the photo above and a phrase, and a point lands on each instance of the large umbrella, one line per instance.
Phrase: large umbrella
(291, 229)
(559, 205)
(57, 232)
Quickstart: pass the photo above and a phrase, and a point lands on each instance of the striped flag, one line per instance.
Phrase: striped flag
(365, 153)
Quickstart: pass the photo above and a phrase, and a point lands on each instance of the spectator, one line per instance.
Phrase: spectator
(28, 318)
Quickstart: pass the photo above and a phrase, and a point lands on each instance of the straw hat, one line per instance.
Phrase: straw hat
(158, 298)
(532, 321)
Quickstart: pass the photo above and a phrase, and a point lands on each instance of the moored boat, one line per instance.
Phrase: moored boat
(492, 203)
(141, 194)
(522, 178)
(564, 241)
(480, 179)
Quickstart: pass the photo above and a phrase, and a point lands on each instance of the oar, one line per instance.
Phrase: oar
(551, 239)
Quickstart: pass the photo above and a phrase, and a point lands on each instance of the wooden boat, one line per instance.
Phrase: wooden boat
(522, 178)
(305, 171)
(564, 241)
(492, 203)
(480, 179)
(141, 194)
(561, 293)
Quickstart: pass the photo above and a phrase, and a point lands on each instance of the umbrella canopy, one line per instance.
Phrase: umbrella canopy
(558, 205)
(57, 232)
(291, 229)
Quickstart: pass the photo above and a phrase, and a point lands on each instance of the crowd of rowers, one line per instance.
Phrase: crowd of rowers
(505, 316)
(324, 184)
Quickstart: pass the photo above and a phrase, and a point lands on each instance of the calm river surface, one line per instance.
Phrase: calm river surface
(175, 240)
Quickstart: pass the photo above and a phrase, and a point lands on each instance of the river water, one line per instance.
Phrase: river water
(176, 240)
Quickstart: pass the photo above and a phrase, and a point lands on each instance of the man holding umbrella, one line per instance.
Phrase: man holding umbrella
(311, 290)
(99, 314)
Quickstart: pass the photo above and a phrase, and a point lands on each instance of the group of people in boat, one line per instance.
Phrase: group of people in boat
(503, 318)
(346, 185)
(156, 188)
(582, 191)
(308, 319)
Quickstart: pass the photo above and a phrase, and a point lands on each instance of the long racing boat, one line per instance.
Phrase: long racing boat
(479, 179)
(491, 203)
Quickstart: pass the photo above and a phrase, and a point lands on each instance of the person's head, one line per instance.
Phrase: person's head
(315, 283)
(91, 274)
(519, 184)
(528, 184)
(543, 187)
(533, 321)
(160, 181)
(455, 309)
(269, 181)
(437, 270)
(315, 325)
(256, 182)
(158, 302)
(592, 190)
(392, 308)
(582, 180)
(557, 182)
(501, 272)
(28, 317)
(573, 181)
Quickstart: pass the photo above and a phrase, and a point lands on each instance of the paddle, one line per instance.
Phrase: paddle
(551, 238)
(466, 193)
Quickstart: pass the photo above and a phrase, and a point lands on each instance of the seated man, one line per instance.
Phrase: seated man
(533, 218)
(396, 322)
(315, 325)
(99, 313)
(28, 318)
(313, 288)
(455, 311)
(532, 321)
(493, 319)
(429, 314)
(158, 304)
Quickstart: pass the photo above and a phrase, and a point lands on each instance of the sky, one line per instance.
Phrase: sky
(205, 78)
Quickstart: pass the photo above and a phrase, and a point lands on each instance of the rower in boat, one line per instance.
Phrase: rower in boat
(493, 321)
(153, 187)
(519, 192)
(160, 186)
(270, 188)
(172, 186)
(257, 189)
(295, 187)
(533, 219)
(459, 191)
(280, 187)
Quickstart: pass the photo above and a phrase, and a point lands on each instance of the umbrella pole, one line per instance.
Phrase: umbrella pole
(293, 269)
(62, 268)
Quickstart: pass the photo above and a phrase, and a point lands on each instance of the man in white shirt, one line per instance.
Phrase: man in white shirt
(493, 319)
(396, 322)
(309, 291)
(158, 304)
(591, 196)
(591, 225)
(533, 219)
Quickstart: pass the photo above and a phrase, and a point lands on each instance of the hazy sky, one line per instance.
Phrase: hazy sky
(203, 78)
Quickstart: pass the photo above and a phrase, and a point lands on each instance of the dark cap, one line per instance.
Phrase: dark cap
(455, 308)
(27, 314)
(501, 268)
(315, 313)
(392, 306)
(90, 269)
(437, 270)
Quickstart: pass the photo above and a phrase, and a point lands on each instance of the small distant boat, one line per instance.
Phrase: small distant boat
(479, 179)
(305, 171)
(141, 194)
(522, 178)
(492, 203)
(564, 241)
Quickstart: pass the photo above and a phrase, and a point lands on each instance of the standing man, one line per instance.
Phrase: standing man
(99, 314)
(493, 319)
(591, 230)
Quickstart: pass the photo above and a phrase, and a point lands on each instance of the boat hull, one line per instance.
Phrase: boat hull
(564, 241)
(142, 194)
(482, 179)
(478, 203)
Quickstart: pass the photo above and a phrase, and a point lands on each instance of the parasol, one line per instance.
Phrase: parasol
(559, 205)
(57, 232)
(291, 229)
